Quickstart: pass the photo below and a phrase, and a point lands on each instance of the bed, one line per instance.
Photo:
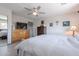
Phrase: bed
(49, 45)
(3, 34)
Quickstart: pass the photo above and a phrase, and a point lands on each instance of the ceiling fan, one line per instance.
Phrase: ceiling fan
(34, 11)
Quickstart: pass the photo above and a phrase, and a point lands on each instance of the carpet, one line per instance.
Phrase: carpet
(3, 42)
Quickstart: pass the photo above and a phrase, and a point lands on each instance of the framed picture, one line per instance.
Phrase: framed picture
(57, 22)
(30, 24)
(66, 23)
(51, 24)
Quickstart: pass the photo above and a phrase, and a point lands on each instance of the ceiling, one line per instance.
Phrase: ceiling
(51, 9)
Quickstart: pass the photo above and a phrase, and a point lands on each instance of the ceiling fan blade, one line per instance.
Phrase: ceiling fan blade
(29, 13)
(27, 9)
(36, 15)
(41, 12)
(34, 8)
(38, 7)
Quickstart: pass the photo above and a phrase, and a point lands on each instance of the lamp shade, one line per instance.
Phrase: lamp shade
(73, 28)
(72, 31)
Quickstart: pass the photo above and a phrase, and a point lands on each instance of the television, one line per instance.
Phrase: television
(20, 25)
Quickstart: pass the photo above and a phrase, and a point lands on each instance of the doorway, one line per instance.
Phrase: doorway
(3, 30)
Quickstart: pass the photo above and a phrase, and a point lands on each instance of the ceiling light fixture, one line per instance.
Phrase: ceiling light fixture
(35, 13)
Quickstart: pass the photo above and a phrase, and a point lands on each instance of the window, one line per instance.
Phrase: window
(3, 25)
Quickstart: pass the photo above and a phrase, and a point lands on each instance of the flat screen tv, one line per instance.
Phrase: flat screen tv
(20, 25)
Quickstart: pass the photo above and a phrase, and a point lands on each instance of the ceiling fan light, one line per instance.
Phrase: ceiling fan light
(35, 13)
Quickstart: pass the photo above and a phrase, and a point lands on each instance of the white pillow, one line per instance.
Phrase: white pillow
(74, 42)
(71, 39)
(77, 37)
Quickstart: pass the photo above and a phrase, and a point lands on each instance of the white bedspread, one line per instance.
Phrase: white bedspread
(49, 45)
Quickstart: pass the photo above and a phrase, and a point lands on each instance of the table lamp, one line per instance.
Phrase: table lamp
(73, 29)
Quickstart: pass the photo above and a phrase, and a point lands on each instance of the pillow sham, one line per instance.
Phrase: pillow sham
(77, 37)
(74, 42)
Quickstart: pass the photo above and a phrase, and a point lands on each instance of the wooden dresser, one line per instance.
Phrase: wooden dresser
(19, 34)
(41, 30)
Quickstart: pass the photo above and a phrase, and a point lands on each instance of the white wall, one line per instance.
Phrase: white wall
(16, 18)
(59, 29)
(56, 28)
(8, 13)
(74, 18)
